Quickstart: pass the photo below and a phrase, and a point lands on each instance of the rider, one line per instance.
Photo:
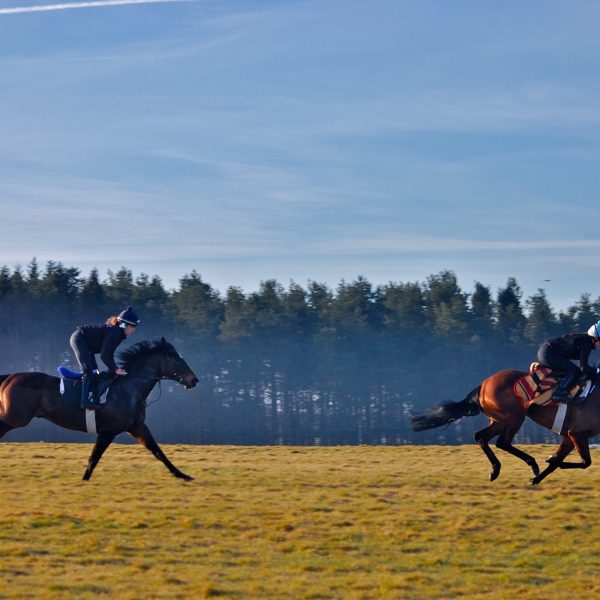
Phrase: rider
(558, 353)
(89, 340)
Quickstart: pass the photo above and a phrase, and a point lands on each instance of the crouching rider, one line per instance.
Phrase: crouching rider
(558, 354)
(89, 340)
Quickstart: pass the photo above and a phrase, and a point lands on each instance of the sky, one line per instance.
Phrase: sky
(304, 140)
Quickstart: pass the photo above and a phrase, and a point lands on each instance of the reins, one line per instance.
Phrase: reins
(131, 358)
(156, 379)
(148, 402)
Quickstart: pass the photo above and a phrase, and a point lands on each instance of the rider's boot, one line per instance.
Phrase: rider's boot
(561, 393)
(89, 399)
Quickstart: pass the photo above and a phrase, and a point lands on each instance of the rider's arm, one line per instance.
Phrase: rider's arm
(584, 356)
(113, 336)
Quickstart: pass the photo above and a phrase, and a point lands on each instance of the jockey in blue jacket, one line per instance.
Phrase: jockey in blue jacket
(89, 340)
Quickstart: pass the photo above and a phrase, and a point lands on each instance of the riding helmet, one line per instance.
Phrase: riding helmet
(129, 317)
(594, 330)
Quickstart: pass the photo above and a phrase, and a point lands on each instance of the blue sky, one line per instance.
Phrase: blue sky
(304, 140)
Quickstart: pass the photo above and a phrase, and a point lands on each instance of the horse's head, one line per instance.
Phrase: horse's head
(163, 359)
(173, 366)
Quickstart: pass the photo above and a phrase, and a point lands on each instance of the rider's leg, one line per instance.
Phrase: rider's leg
(561, 393)
(87, 383)
(548, 357)
(88, 365)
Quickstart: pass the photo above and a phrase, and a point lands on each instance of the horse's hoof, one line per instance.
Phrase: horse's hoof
(535, 469)
(534, 480)
(494, 474)
(551, 459)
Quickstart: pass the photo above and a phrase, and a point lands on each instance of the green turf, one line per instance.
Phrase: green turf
(294, 523)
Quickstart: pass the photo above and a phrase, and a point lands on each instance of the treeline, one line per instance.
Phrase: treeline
(292, 365)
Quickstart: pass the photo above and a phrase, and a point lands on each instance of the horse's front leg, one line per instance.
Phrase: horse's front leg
(143, 436)
(582, 445)
(103, 441)
(556, 460)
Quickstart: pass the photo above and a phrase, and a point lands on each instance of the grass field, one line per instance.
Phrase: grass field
(294, 523)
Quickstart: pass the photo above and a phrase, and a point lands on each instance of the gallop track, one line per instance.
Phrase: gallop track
(405, 522)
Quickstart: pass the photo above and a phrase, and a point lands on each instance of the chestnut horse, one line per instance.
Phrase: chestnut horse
(27, 395)
(496, 399)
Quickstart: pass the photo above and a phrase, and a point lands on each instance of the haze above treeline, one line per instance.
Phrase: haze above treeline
(291, 365)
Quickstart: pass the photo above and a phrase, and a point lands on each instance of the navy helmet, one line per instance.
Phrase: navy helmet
(129, 317)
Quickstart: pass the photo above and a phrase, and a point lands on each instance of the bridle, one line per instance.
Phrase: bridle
(175, 376)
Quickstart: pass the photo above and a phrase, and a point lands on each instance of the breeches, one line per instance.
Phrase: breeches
(551, 359)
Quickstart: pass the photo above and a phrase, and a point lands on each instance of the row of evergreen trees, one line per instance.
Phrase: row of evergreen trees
(295, 365)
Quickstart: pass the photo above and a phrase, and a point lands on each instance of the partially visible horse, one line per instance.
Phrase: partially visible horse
(27, 395)
(495, 398)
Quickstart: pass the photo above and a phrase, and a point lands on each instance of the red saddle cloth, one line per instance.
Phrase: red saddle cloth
(538, 385)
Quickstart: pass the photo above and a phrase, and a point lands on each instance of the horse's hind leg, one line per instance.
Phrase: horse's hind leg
(4, 428)
(483, 438)
(505, 443)
(103, 441)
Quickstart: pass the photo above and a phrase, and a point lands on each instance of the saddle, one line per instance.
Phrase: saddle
(70, 384)
(537, 386)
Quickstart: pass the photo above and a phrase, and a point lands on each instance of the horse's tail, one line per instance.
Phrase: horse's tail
(446, 412)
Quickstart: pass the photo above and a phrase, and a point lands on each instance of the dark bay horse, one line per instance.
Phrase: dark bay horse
(27, 395)
(497, 401)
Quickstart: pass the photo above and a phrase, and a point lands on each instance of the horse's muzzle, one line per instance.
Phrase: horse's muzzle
(188, 385)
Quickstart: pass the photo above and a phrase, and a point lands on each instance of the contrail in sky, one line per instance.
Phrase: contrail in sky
(92, 4)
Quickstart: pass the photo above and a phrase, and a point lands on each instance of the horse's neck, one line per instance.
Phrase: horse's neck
(146, 378)
(590, 417)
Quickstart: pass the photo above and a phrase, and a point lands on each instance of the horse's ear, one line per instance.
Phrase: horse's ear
(162, 340)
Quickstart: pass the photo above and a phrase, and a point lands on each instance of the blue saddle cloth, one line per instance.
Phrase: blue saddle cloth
(71, 384)
(67, 373)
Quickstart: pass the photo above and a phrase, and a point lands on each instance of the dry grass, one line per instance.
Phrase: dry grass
(293, 523)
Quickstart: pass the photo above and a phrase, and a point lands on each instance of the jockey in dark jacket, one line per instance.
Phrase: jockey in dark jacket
(89, 340)
(558, 354)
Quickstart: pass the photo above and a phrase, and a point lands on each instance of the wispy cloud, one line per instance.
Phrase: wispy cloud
(92, 4)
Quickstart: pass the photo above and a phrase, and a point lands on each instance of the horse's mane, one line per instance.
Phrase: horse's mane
(130, 357)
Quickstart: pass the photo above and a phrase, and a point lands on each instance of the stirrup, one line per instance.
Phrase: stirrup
(564, 398)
